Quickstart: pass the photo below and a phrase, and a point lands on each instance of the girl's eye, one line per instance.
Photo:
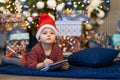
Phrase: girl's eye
(52, 33)
(48, 33)
(44, 33)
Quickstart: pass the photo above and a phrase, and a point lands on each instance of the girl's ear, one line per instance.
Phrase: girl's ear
(39, 40)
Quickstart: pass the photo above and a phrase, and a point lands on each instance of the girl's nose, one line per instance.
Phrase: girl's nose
(49, 35)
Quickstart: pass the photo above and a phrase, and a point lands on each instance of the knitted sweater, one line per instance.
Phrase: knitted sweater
(36, 55)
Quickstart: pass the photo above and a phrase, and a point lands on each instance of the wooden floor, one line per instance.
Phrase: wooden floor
(18, 77)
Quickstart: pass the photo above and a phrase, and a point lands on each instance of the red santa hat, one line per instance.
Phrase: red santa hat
(45, 21)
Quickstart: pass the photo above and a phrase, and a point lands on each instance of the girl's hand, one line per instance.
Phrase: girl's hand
(65, 66)
(47, 62)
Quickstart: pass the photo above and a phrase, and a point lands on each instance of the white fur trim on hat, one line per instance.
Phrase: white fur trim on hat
(45, 26)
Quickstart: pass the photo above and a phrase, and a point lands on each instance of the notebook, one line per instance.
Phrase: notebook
(54, 66)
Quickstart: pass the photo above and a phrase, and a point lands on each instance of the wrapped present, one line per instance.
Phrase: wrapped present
(15, 48)
(115, 39)
(17, 40)
(70, 43)
(69, 36)
(99, 39)
(17, 44)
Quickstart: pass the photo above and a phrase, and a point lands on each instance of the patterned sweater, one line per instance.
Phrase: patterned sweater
(37, 55)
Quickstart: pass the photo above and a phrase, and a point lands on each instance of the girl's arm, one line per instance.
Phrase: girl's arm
(32, 59)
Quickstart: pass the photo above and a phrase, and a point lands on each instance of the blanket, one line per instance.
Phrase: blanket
(108, 72)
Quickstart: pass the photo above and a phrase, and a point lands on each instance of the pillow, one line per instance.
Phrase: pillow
(93, 57)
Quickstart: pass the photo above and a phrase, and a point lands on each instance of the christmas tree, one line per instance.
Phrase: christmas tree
(22, 13)
(95, 10)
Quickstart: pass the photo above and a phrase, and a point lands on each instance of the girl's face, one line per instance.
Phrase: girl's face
(47, 36)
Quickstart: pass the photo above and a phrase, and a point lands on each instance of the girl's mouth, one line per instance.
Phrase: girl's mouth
(48, 38)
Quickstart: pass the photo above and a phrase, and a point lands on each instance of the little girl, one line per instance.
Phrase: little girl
(46, 51)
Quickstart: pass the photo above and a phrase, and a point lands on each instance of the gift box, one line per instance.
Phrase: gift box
(115, 39)
(69, 36)
(15, 48)
(17, 40)
(99, 39)
(17, 45)
(70, 43)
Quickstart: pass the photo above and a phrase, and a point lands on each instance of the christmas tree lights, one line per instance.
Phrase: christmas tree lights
(96, 10)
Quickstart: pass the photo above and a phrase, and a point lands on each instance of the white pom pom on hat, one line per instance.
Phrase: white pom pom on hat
(45, 21)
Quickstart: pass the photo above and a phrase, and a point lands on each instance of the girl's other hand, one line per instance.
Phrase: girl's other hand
(65, 66)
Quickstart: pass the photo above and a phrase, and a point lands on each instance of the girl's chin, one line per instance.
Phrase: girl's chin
(49, 42)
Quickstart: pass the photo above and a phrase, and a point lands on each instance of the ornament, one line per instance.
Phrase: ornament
(107, 9)
(101, 14)
(107, 1)
(69, 4)
(51, 4)
(22, 1)
(2, 9)
(25, 7)
(18, 6)
(75, 6)
(40, 5)
(3, 1)
(30, 19)
(89, 26)
(34, 14)
(87, 2)
(60, 7)
(94, 4)
(26, 13)
(100, 22)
